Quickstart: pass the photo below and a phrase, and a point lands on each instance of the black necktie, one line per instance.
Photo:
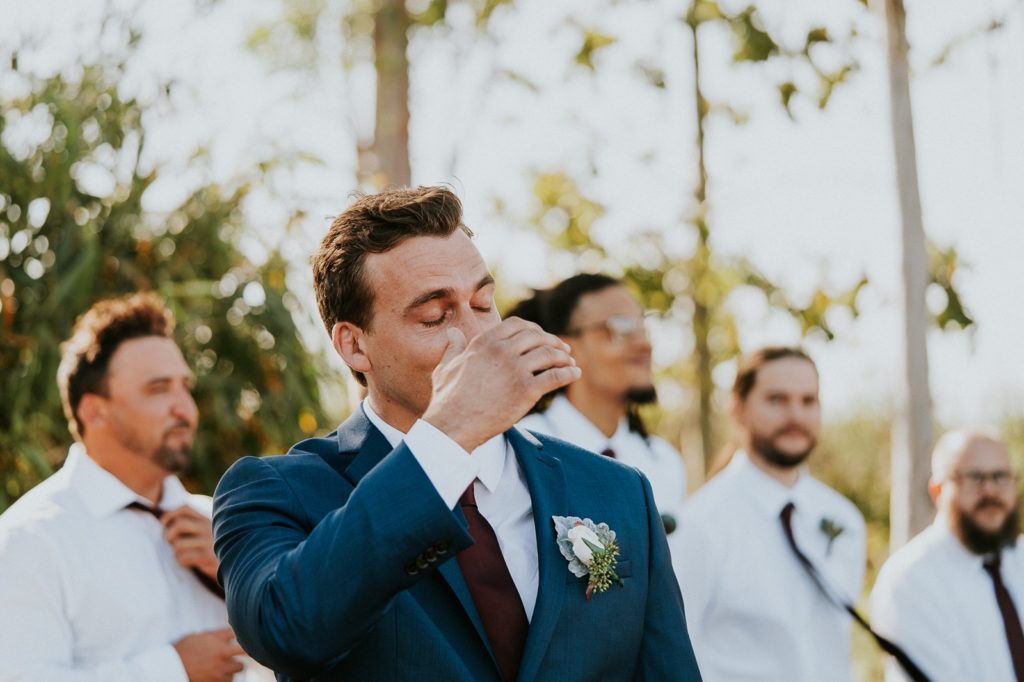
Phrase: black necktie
(608, 452)
(494, 593)
(1011, 621)
(208, 582)
(886, 645)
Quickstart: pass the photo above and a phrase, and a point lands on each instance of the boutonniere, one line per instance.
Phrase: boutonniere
(832, 530)
(590, 549)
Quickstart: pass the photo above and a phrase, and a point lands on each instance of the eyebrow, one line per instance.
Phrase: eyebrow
(445, 293)
(190, 380)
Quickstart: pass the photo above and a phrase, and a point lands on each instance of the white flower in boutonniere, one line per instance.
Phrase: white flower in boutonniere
(590, 549)
(832, 530)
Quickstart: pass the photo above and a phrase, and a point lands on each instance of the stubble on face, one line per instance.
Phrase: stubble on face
(979, 540)
(170, 458)
(767, 447)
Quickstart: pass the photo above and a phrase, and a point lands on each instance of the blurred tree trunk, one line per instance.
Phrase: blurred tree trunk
(389, 151)
(911, 509)
(701, 312)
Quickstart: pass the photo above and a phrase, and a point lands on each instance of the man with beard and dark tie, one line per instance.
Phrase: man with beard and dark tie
(107, 570)
(952, 596)
(604, 325)
(748, 538)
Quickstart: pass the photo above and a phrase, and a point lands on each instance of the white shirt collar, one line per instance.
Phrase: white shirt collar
(585, 434)
(765, 492)
(103, 493)
(489, 457)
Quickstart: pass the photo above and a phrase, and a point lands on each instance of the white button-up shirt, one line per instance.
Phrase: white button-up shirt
(752, 611)
(935, 600)
(502, 495)
(90, 591)
(653, 456)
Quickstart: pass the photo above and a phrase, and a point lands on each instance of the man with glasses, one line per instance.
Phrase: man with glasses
(952, 596)
(605, 327)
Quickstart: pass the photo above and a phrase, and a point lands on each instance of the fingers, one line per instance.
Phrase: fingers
(179, 523)
(555, 378)
(456, 344)
(545, 357)
(226, 634)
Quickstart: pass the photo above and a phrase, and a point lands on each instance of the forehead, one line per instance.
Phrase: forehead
(787, 375)
(983, 454)
(145, 358)
(420, 265)
(600, 305)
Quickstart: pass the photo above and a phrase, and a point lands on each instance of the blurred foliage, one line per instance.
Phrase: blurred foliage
(73, 229)
(676, 286)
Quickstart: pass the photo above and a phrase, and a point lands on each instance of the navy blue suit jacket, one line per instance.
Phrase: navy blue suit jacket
(337, 562)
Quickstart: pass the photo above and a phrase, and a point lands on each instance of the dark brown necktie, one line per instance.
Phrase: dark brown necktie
(608, 452)
(1011, 621)
(494, 593)
(208, 582)
(888, 646)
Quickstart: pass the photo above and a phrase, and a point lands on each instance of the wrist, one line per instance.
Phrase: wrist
(456, 430)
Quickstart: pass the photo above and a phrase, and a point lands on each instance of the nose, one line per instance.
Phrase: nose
(184, 406)
(468, 323)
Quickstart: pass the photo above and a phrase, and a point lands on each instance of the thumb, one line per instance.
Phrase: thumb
(456, 344)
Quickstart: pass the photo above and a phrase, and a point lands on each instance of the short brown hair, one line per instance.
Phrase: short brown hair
(375, 223)
(750, 365)
(96, 336)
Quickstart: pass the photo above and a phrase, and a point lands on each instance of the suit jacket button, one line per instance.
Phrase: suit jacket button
(441, 547)
(430, 554)
(411, 569)
(421, 562)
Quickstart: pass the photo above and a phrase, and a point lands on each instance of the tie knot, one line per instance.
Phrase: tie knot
(787, 512)
(992, 564)
(468, 498)
(608, 452)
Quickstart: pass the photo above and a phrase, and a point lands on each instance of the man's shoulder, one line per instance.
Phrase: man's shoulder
(923, 554)
(833, 502)
(577, 458)
(42, 517)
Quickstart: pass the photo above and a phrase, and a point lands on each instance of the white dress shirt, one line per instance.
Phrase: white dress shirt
(90, 591)
(752, 611)
(935, 600)
(502, 495)
(653, 456)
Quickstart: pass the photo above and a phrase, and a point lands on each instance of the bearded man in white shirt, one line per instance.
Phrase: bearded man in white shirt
(755, 612)
(604, 325)
(107, 570)
(952, 596)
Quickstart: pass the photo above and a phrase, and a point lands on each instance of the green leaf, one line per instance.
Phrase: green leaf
(593, 42)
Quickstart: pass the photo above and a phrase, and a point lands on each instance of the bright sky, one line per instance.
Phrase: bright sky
(808, 201)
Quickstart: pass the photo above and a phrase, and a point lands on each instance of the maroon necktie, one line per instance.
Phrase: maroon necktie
(887, 645)
(1011, 622)
(494, 594)
(208, 582)
(608, 452)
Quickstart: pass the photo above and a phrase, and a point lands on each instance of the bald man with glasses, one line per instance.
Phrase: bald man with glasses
(952, 598)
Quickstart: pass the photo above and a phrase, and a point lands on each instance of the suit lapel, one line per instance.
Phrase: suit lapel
(358, 435)
(546, 481)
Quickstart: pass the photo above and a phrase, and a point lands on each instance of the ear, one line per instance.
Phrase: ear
(350, 343)
(736, 409)
(934, 490)
(92, 410)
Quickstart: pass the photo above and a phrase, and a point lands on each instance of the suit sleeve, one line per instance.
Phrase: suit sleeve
(300, 600)
(666, 652)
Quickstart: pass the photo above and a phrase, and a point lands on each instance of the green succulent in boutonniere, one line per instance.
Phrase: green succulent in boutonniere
(832, 530)
(590, 549)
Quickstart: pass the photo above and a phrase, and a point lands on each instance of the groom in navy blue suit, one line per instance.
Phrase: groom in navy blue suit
(418, 541)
